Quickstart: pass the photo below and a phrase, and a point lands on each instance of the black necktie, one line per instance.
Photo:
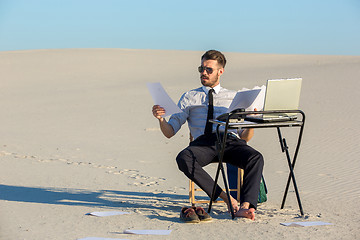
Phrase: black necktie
(210, 115)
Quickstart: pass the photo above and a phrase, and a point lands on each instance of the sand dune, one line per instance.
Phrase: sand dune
(77, 136)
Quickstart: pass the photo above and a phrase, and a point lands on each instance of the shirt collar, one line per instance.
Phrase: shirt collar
(216, 89)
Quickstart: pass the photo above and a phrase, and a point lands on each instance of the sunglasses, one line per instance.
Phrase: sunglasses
(209, 70)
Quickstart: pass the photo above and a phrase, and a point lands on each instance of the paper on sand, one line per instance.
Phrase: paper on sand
(148, 232)
(162, 99)
(100, 238)
(107, 213)
(305, 224)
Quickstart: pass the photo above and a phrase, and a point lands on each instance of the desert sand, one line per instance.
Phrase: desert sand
(77, 135)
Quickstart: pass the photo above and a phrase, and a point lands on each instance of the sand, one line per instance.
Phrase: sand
(78, 136)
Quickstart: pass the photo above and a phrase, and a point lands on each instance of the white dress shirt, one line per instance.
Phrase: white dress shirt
(194, 106)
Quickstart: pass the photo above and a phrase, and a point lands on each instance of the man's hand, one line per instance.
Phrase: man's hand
(165, 127)
(158, 111)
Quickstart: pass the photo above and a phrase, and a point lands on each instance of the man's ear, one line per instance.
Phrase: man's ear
(221, 71)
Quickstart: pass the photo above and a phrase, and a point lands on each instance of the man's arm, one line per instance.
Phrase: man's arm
(247, 134)
(165, 127)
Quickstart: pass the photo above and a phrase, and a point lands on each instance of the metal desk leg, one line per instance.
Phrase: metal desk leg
(285, 149)
(221, 146)
(293, 177)
(293, 163)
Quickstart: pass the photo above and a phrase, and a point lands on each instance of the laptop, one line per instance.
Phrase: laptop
(281, 94)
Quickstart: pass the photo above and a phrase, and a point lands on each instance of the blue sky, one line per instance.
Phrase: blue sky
(252, 26)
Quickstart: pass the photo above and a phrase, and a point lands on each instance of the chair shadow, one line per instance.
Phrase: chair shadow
(146, 201)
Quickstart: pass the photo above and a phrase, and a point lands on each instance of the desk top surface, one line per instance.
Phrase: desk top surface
(248, 124)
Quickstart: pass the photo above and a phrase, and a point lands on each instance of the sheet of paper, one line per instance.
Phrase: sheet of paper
(107, 213)
(305, 224)
(148, 232)
(259, 100)
(162, 99)
(249, 99)
(100, 238)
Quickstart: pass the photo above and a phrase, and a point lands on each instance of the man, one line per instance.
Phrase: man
(202, 151)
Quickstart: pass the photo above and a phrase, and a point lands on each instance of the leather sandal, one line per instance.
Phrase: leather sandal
(188, 215)
(202, 214)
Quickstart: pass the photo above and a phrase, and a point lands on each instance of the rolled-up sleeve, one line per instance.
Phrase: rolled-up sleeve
(177, 120)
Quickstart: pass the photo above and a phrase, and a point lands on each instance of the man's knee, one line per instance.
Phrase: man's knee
(182, 160)
(260, 160)
(257, 158)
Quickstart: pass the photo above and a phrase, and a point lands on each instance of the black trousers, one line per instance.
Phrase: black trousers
(202, 151)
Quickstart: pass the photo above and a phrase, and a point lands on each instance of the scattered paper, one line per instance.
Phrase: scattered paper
(249, 99)
(162, 99)
(107, 213)
(100, 238)
(305, 224)
(148, 232)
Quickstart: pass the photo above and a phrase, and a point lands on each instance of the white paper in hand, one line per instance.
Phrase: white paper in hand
(162, 99)
(249, 99)
(259, 100)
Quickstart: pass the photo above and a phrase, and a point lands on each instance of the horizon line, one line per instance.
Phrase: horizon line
(185, 50)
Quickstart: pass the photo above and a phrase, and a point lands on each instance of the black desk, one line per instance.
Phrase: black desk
(231, 125)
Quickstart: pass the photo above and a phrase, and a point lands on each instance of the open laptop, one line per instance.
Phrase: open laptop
(281, 94)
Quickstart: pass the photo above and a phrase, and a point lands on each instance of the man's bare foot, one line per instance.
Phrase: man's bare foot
(246, 213)
(233, 201)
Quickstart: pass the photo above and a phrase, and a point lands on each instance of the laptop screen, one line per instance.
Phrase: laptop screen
(282, 94)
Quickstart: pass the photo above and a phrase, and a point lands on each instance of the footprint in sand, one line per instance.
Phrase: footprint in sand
(152, 129)
(44, 160)
(323, 174)
(131, 173)
(4, 153)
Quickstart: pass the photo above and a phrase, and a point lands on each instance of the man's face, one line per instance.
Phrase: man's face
(210, 73)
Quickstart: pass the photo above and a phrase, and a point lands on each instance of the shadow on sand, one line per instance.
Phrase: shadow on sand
(145, 201)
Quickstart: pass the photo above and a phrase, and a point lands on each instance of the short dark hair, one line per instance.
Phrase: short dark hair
(215, 55)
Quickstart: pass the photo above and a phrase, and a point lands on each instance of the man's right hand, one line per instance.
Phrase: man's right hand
(165, 127)
(158, 111)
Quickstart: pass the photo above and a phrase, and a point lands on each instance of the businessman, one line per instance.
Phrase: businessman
(198, 106)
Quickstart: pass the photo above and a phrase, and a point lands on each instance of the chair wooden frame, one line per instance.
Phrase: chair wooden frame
(193, 190)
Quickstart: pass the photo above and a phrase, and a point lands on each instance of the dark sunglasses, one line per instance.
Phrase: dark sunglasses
(207, 69)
